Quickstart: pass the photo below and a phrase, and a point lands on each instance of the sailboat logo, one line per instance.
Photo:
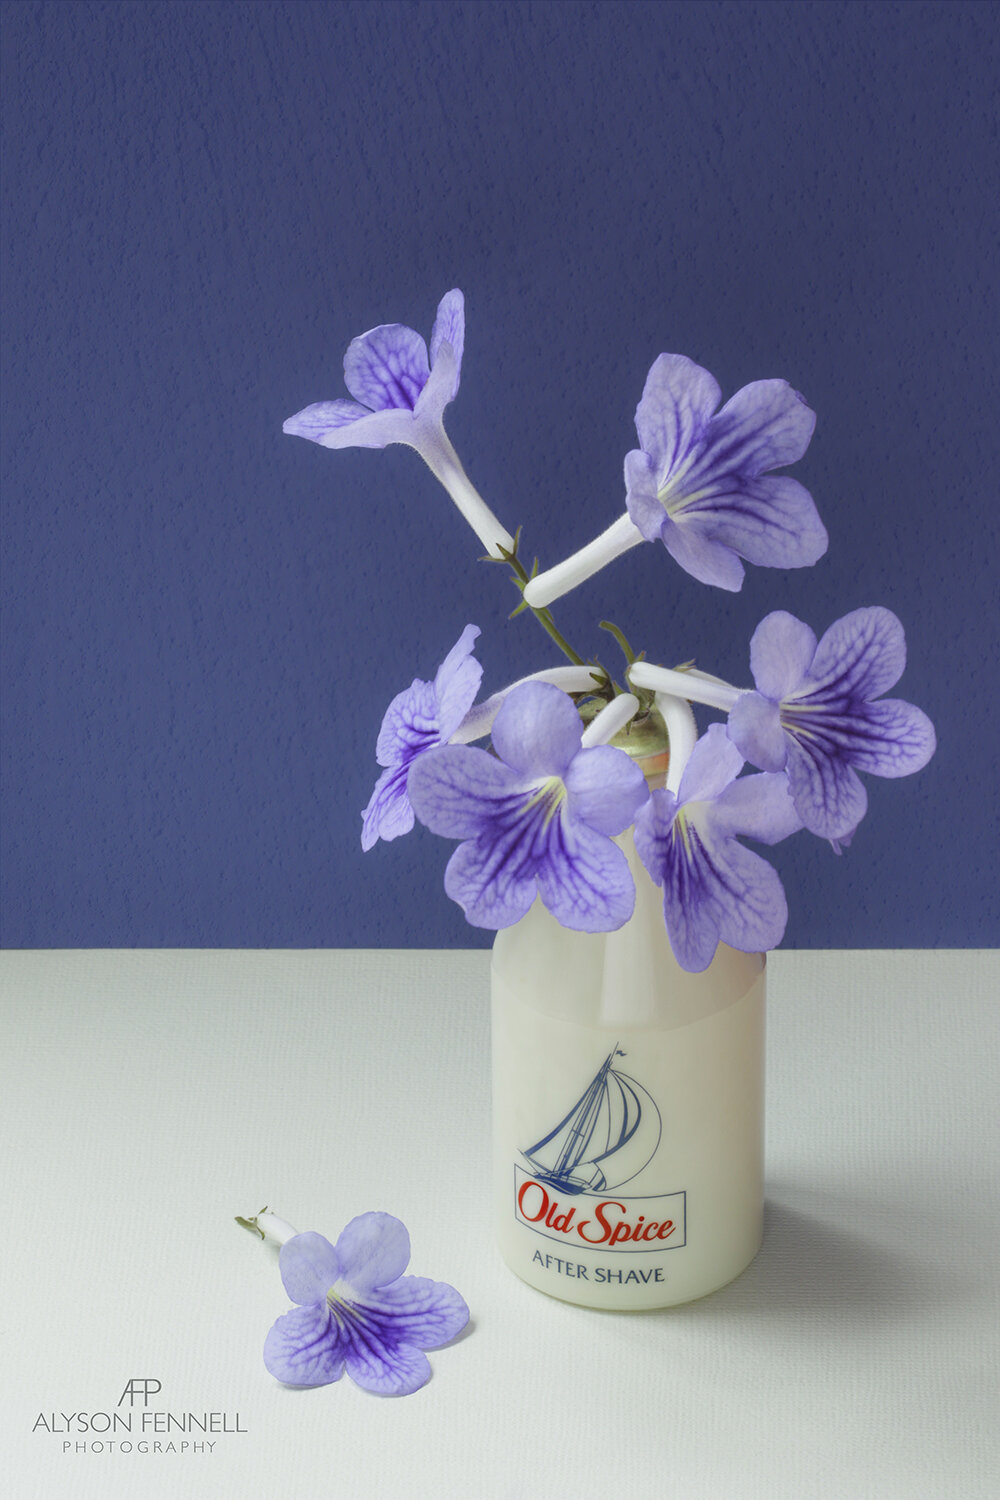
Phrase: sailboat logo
(611, 1133)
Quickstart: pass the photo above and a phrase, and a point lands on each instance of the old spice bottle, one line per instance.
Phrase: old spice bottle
(627, 1102)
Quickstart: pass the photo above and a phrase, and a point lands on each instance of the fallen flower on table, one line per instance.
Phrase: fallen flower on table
(356, 1310)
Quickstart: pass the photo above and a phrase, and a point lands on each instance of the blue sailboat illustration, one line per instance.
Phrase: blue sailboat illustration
(610, 1134)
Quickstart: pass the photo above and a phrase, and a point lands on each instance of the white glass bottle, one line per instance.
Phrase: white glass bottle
(627, 1108)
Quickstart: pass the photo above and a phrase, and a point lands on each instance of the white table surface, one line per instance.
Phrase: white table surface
(147, 1097)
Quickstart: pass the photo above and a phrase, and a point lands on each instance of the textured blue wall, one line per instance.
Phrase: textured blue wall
(205, 620)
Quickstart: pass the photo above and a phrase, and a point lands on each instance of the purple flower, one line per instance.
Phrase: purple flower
(424, 715)
(713, 889)
(398, 391)
(814, 715)
(537, 817)
(400, 395)
(356, 1308)
(701, 484)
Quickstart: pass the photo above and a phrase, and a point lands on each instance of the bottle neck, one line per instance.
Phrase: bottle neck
(645, 740)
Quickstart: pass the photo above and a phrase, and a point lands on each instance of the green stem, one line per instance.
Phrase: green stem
(543, 616)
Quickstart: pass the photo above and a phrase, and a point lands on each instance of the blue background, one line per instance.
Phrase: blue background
(205, 620)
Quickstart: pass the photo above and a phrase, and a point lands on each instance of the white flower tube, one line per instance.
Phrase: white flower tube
(605, 725)
(696, 687)
(435, 448)
(276, 1231)
(479, 720)
(566, 575)
(683, 733)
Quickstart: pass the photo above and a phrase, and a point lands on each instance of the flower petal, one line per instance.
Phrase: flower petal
(714, 763)
(759, 807)
(456, 682)
(538, 730)
(715, 889)
(766, 425)
(861, 656)
(755, 727)
(605, 789)
(709, 561)
(772, 521)
(305, 1347)
(386, 1369)
(449, 328)
(309, 1264)
(435, 396)
(890, 738)
(316, 422)
(492, 880)
(652, 833)
(422, 1312)
(409, 724)
(375, 429)
(781, 653)
(750, 899)
(642, 501)
(459, 790)
(827, 793)
(672, 417)
(374, 1250)
(387, 367)
(584, 879)
(389, 813)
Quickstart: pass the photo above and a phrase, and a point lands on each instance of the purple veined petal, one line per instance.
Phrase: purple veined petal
(890, 738)
(827, 793)
(375, 429)
(652, 833)
(538, 730)
(306, 1347)
(389, 813)
(758, 807)
(689, 910)
(459, 791)
(584, 879)
(672, 417)
(766, 425)
(387, 367)
(316, 422)
(688, 543)
(781, 654)
(374, 1250)
(421, 1312)
(309, 1264)
(449, 328)
(715, 889)
(755, 728)
(861, 656)
(491, 880)
(384, 1369)
(605, 789)
(749, 898)
(456, 682)
(642, 502)
(409, 724)
(714, 762)
(771, 521)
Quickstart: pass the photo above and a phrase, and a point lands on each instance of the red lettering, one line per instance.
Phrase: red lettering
(543, 1207)
(666, 1229)
(608, 1231)
(560, 1222)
